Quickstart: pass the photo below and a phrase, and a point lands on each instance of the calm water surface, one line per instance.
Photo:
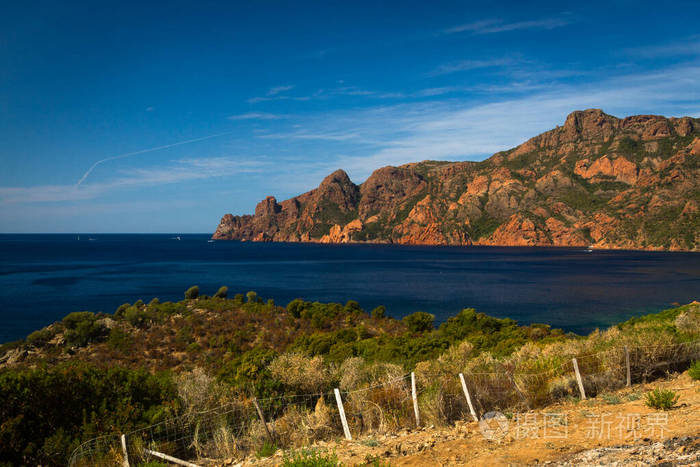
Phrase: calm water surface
(44, 277)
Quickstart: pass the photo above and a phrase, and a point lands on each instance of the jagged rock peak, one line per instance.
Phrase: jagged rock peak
(590, 123)
(267, 207)
(339, 176)
(597, 180)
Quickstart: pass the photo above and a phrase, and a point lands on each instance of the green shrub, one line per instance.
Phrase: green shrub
(419, 321)
(192, 292)
(311, 458)
(48, 412)
(612, 399)
(222, 292)
(694, 370)
(122, 308)
(662, 399)
(352, 307)
(379, 312)
(252, 297)
(295, 307)
(137, 317)
(250, 371)
(119, 340)
(82, 328)
(40, 338)
(266, 450)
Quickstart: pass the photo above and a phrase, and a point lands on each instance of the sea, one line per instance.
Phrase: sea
(45, 277)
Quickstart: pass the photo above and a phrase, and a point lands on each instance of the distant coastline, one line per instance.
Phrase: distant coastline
(598, 181)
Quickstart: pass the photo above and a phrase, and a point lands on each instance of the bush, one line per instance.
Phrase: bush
(222, 292)
(119, 340)
(295, 307)
(311, 458)
(40, 338)
(266, 450)
(46, 413)
(351, 306)
(192, 292)
(250, 370)
(82, 328)
(137, 317)
(379, 312)
(419, 321)
(694, 370)
(662, 399)
(252, 297)
(301, 373)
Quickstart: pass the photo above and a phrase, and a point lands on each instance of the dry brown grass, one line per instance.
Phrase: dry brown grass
(301, 373)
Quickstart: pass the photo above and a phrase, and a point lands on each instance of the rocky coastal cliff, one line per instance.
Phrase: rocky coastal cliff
(597, 180)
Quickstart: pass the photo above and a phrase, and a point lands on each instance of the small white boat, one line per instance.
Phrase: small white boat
(589, 249)
(210, 241)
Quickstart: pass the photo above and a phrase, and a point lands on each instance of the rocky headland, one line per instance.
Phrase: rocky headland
(631, 183)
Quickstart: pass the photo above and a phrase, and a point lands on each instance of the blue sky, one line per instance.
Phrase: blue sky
(127, 117)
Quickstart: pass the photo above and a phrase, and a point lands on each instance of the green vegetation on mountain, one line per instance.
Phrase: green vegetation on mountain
(630, 183)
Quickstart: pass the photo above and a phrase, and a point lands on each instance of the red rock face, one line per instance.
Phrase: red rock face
(618, 169)
(600, 180)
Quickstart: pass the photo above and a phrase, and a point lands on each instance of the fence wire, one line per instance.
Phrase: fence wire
(243, 427)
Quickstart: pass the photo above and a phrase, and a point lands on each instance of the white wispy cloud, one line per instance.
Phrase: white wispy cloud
(256, 116)
(459, 129)
(496, 25)
(176, 171)
(688, 47)
(363, 139)
(280, 89)
(277, 97)
(465, 65)
(323, 93)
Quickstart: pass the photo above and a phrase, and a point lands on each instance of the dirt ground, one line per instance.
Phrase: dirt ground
(612, 429)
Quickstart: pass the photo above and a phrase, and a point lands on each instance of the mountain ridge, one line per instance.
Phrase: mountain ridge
(629, 183)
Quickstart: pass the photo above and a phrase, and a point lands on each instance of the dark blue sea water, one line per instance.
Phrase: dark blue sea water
(44, 277)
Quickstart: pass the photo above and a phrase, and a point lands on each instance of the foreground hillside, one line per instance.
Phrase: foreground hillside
(93, 375)
(613, 183)
(597, 434)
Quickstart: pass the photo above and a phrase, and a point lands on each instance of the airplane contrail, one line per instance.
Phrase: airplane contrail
(142, 151)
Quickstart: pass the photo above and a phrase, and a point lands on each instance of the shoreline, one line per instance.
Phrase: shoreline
(482, 245)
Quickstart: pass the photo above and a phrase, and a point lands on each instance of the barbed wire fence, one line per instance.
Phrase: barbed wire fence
(248, 425)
